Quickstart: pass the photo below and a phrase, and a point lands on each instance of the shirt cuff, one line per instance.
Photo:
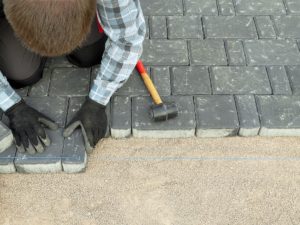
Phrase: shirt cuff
(102, 91)
(8, 98)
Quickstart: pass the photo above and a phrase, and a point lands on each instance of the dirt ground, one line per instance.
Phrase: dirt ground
(168, 181)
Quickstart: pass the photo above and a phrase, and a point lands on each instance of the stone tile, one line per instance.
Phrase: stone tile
(240, 80)
(272, 52)
(208, 52)
(293, 73)
(162, 80)
(162, 8)
(279, 115)
(235, 53)
(260, 7)
(248, 115)
(121, 117)
(6, 137)
(288, 26)
(41, 88)
(265, 27)
(190, 80)
(279, 80)
(165, 52)
(226, 8)
(147, 36)
(181, 126)
(74, 157)
(23, 92)
(57, 62)
(70, 82)
(202, 7)
(293, 6)
(229, 27)
(158, 27)
(216, 116)
(47, 162)
(7, 160)
(184, 27)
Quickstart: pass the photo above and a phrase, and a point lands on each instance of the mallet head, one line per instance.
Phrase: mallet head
(163, 111)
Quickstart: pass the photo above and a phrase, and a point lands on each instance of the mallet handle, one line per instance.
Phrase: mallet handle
(148, 82)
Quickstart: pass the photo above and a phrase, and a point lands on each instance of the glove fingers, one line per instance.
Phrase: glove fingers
(70, 128)
(18, 142)
(88, 138)
(97, 135)
(48, 123)
(25, 142)
(42, 134)
(34, 139)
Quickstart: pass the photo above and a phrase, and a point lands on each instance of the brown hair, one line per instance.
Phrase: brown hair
(51, 27)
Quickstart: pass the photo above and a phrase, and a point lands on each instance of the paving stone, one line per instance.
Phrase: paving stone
(162, 8)
(294, 75)
(23, 92)
(41, 88)
(7, 160)
(47, 162)
(74, 157)
(265, 27)
(208, 52)
(279, 80)
(6, 137)
(235, 53)
(288, 26)
(293, 6)
(229, 27)
(279, 115)
(226, 7)
(147, 35)
(165, 52)
(70, 82)
(57, 62)
(181, 126)
(202, 7)
(162, 80)
(184, 27)
(216, 116)
(158, 27)
(190, 80)
(260, 7)
(248, 115)
(272, 52)
(240, 80)
(121, 117)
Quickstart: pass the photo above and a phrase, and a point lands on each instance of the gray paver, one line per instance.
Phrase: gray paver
(240, 80)
(229, 27)
(248, 115)
(279, 115)
(293, 6)
(279, 80)
(121, 117)
(57, 62)
(6, 137)
(190, 80)
(162, 80)
(7, 160)
(70, 82)
(41, 88)
(294, 75)
(216, 116)
(235, 53)
(208, 52)
(202, 7)
(181, 126)
(272, 52)
(265, 27)
(226, 7)
(147, 35)
(162, 8)
(165, 52)
(288, 26)
(23, 92)
(158, 27)
(260, 7)
(47, 162)
(184, 27)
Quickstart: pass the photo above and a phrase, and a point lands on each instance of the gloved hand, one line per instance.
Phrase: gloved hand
(92, 120)
(27, 126)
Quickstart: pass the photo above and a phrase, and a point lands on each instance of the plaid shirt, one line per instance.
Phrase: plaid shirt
(124, 24)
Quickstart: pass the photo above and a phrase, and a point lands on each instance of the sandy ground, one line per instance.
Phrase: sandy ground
(152, 182)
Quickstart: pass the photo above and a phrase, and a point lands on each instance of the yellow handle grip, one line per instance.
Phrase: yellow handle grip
(150, 86)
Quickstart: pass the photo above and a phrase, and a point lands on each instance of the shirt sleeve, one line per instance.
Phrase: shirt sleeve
(124, 24)
(8, 96)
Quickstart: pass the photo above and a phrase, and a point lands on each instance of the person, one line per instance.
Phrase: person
(33, 30)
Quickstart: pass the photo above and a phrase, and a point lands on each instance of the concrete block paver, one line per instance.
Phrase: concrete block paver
(294, 75)
(158, 27)
(162, 8)
(265, 27)
(41, 88)
(235, 53)
(279, 80)
(162, 80)
(202, 7)
(226, 8)
(184, 27)
(260, 7)
(293, 6)
(6, 137)
(7, 160)
(288, 26)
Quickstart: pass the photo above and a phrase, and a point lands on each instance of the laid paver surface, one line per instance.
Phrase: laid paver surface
(232, 66)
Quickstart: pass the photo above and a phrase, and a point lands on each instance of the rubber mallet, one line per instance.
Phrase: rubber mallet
(160, 111)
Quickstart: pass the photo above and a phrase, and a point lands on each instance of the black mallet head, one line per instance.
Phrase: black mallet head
(163, 111)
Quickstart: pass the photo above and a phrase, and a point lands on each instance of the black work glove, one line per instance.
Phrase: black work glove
(27, 126)
(92, 120)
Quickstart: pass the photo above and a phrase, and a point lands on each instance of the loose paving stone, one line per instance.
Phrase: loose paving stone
(240, 80)
(190, 80)
(162, 8)
(6, 137)
(248, 115)
(181, 126)
(229, 27)
(7, 160)
(47, 162)
(57, 62)
(70, 82)
(165, 52)
(294, 75)
(162, 80)
(260, 7)
(293, 6)
(226, 8)
(202, 7)
(288, 26)
(41, 88)
(279, 80)
(208, 52)
(272, 52)
(184, 27)
(216, 116)
(23, 92)
(265, 27)
(235, 53)
(279, 115)
(158, 26)
(121, 117)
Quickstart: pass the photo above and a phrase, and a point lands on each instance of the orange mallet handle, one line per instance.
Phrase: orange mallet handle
(148, 82)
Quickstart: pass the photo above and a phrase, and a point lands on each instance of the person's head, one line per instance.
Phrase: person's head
(50, 27)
